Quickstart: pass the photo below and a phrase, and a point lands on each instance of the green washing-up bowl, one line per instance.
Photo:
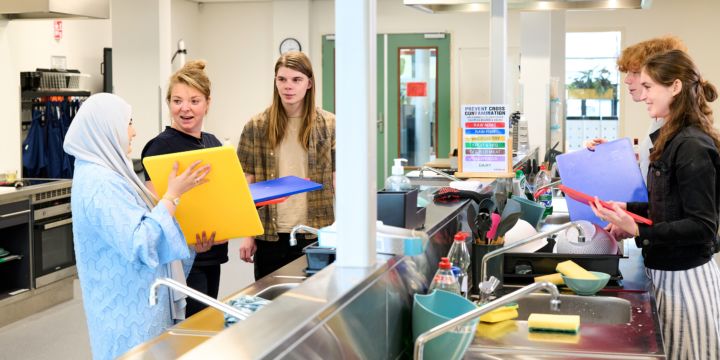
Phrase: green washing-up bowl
(587, 286)
(436, 308)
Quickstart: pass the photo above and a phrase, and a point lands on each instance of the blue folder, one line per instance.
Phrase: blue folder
(281, 187)
(611, 172)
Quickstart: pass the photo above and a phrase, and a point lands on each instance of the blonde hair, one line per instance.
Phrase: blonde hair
(633, 57)
(191, 74)
(278, 119)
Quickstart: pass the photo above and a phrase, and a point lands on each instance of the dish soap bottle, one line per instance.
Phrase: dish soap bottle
(398, 181)
(444, 278)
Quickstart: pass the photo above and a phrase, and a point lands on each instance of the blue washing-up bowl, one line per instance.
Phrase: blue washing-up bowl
(436, 308)
(587, 287)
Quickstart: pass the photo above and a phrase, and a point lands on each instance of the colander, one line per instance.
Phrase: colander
(597, 240)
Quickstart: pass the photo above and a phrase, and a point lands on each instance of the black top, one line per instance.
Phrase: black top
(172, 141)
(684, 201)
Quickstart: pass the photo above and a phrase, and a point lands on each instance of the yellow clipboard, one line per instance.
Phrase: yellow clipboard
(223, 205)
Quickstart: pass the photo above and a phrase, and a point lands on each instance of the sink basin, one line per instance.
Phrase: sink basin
(273, 291)
(592, 309)
(557, 218)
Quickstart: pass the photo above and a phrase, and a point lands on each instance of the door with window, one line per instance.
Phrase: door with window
(413, 97)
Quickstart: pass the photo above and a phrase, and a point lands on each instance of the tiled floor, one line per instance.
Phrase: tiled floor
(61, 332)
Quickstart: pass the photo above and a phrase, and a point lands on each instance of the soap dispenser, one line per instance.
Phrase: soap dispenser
(398, 181)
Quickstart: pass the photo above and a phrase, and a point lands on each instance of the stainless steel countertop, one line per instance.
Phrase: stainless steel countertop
(298, 308)
(641, 338)
(11, 194)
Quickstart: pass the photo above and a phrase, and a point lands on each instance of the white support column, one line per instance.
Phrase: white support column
(542, 44)
(498, 50)
(142, 50)
(355, 68)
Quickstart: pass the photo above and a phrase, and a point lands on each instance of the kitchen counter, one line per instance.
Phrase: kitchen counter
(312, 319)
(640, 338)
(10, 193)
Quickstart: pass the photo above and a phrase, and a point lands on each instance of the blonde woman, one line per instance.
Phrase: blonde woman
(188, 98)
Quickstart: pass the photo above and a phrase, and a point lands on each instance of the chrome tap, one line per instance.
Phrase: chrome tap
(172, 284)
(443, 174)
(504, 249)
(296, 228)
(453, 323)
(540, 189)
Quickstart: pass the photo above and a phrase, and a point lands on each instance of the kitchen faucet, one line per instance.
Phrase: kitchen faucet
(441, 173)
(172, 284)
(296, 228)
(506, 248)
(484, 309)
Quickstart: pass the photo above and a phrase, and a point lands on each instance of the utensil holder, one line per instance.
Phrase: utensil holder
(494, 266)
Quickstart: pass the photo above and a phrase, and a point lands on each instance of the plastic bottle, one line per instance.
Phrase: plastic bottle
(398, 181)
(444, 278)
(459, 257)
(545, 196)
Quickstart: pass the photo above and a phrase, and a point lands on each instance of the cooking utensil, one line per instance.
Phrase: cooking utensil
(495, 217)
(483, 222)
(506, 224)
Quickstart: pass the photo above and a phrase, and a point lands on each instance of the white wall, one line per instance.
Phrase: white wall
(28, 44)
(695, 21)
(237, 41)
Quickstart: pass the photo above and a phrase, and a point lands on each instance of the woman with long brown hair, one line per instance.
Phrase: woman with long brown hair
(684, 205)
(291, 137)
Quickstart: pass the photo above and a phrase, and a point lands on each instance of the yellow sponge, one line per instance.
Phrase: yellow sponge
(554, 323)
(554, 337)
(573, 270)
(496, 330)
(506, 312)
(555, 278)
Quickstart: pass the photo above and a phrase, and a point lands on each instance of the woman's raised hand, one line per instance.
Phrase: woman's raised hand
(590, 144)
(193, 176)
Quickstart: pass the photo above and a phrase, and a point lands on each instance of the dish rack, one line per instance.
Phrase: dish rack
(47, 79)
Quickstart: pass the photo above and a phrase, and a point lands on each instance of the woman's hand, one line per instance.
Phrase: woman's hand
(617, 233)
(188, 179)
(203, 243)
(590, 144)
(616, 215)
(247, 249)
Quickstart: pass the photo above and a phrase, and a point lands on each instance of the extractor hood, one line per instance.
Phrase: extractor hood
(440, 6)
(55, 9)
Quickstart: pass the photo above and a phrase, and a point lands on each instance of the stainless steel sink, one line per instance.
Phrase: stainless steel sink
(592, 309)
(557, 218)
(273, 291)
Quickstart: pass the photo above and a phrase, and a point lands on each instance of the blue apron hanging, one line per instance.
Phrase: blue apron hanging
(54, 149)
(33, 156)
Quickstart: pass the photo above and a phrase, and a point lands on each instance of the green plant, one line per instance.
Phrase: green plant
(600, 83)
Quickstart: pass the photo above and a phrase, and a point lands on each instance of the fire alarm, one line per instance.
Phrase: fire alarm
(57, 29)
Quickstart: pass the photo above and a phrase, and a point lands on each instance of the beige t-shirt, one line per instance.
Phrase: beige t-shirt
(292, 160)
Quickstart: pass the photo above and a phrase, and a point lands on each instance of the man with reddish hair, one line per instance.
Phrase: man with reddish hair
(630, 62)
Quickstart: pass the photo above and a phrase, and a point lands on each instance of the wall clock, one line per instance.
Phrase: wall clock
(289, 44)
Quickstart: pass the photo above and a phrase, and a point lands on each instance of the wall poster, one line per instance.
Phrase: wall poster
(484, 141)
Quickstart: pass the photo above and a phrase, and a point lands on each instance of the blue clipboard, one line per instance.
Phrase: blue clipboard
(611, 172)
(285, 186)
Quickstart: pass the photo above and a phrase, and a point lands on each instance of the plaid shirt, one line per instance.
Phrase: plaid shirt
(258, 158)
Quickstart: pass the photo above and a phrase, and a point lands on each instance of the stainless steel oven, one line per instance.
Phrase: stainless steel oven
(53, 249)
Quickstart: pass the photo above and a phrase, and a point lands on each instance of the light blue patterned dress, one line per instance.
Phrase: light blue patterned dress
(121, 248)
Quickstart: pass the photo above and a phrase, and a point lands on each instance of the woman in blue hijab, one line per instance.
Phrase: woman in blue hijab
(125, 237)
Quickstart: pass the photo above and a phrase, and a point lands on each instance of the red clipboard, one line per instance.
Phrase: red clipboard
(586, 199)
